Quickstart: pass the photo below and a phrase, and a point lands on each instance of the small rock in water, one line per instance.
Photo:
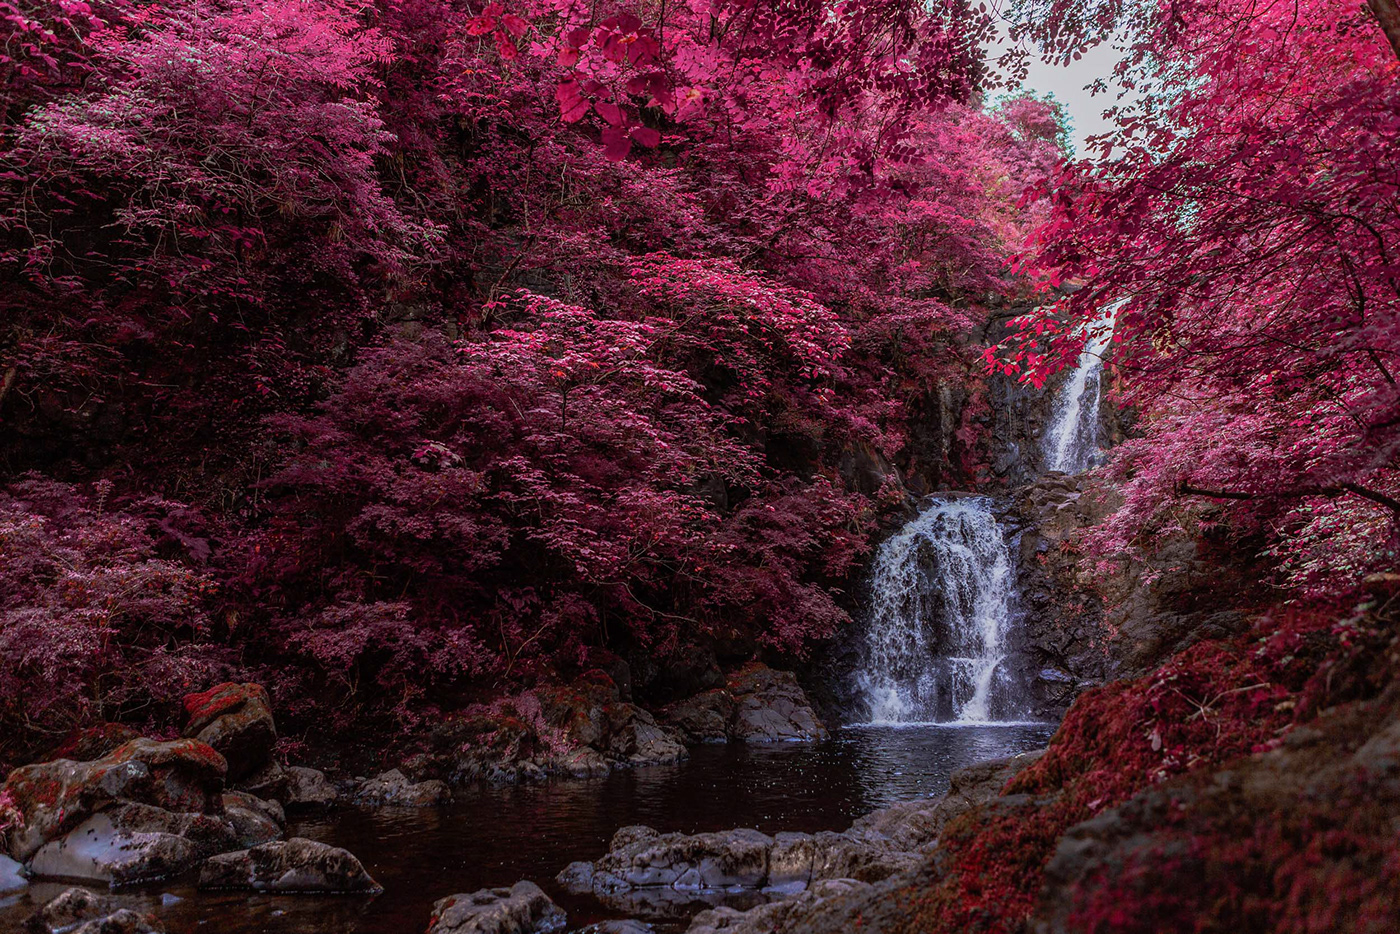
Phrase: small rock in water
(521, 909)
(290, 866)
(393, 788)
(79, 911)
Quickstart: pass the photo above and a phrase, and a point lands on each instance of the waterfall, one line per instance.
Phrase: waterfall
(941, 608)
(1071, 440)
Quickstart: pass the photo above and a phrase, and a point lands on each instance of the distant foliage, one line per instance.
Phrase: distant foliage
(94, 623)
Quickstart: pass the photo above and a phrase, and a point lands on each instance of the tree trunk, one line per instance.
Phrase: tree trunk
(1388, 15)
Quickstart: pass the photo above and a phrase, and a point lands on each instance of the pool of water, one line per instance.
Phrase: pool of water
(497, 836)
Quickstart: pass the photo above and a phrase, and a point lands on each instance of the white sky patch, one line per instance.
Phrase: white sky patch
(1069, 86)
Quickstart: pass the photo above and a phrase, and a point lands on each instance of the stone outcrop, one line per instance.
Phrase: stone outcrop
(297, 865)
(236, 720)
(580, 729)
(51, 798)
(394, 789)
(80, 911)
(758, 704)
(521, 909)
(1083, 625)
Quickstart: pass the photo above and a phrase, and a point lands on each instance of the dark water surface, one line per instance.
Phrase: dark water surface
(497, 836)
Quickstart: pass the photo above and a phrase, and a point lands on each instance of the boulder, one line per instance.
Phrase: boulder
(309, 788)
(297, 865)
(393, 788)
(80, 910)
(295, 787)
(772, 707)
(786, 914)
(521, 909)
(758, 704)
(131, 844)
(236, 720)
(252, 819)
(645, 865)
(51, 798)
(705, 717)
(580, 729)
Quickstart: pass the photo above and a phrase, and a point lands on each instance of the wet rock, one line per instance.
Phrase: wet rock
(53, 797)
(627, 926)
(131, 844)
(79, 910)
(647, 869)
(764, 919)
(297, 865)
(253, 820)
(11, 875)
(521, 909)
(581, 729)
(772, 707)
(703, 718)
(757, 705)
(394, 789)
(236, 720)
(309, 789)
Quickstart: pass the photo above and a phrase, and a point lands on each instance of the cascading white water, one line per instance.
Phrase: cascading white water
(944, 578)
(1071, 439)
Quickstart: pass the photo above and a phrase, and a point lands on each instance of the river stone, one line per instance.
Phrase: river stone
(236, 720)
(309, 788)
(521, 909)
(132, 844)
(786, 914)
(53, 797)
(253, 820)
(627, 926)
(772, 707)
(393, 788)
(78, 910)
(297, 865)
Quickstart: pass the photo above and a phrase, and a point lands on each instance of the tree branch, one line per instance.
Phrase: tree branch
(1389, 502)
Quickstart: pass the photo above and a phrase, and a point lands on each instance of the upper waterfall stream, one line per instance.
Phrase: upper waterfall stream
(1071, 440)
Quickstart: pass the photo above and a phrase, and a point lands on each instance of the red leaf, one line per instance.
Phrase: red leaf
(518, 26)
(646, 136)
(609, 112)
(616, 144)
(573, 106)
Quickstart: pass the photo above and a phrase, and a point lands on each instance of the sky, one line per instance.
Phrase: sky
(1068, 85)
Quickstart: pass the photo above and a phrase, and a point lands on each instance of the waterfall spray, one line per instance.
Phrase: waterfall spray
(947, 572)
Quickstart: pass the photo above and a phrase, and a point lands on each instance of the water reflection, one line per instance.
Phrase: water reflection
(496, 836)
